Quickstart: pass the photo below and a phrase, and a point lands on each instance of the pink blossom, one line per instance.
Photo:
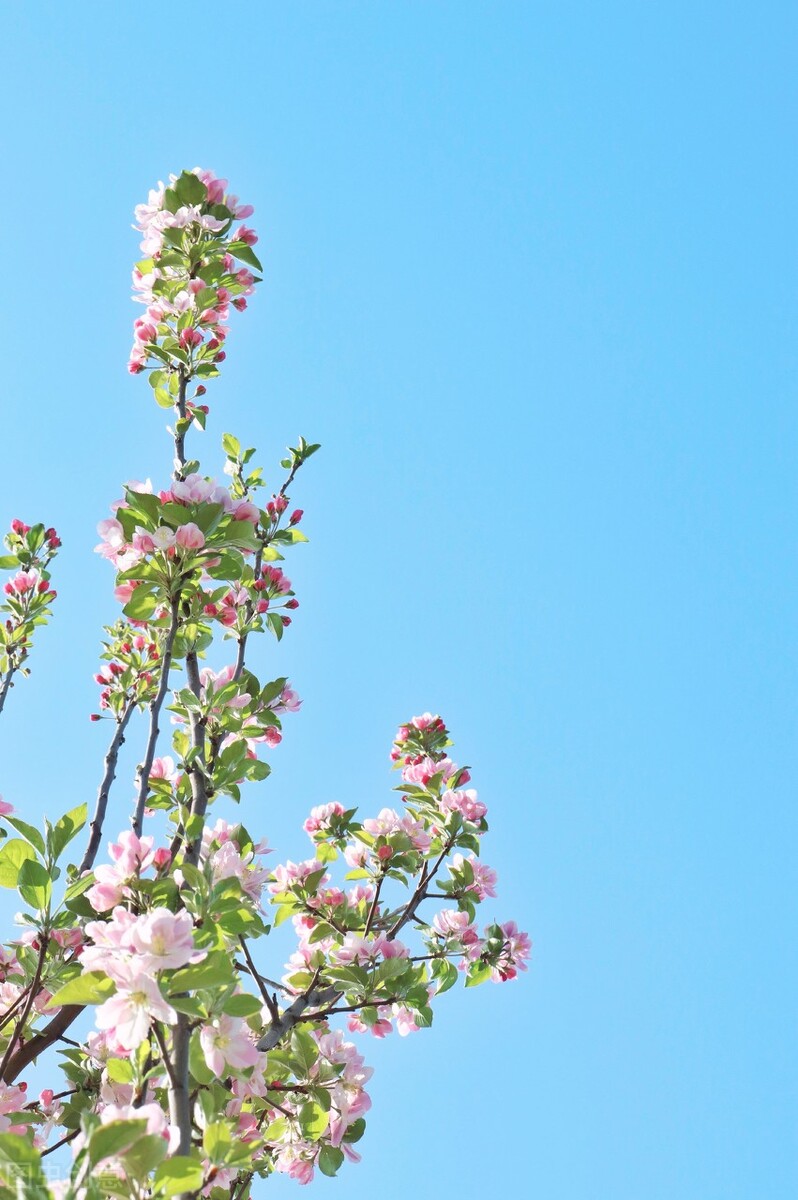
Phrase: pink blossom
(452, 923)
(291, 874)
(463, 802)
(227, 1042)
(5, 808)
(514, 956)
(164, 939)
(245, 511)
(131, 853)
(296, 1161)
(320, 817)
(190, 536)
(135, 1005)
(379, 1029)
(164, 768)
(484, 883)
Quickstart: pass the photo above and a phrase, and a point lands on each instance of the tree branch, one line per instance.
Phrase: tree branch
(270, 1001)
(96, 827)
(144, 767)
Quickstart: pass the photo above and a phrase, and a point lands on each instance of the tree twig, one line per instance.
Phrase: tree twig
(111, 758)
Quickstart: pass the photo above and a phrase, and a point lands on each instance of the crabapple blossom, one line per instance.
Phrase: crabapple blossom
(211, 1054)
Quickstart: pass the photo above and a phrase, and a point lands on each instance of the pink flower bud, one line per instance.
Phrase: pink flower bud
(245, 234)
(190, 337)
(190, 536)
(296, 516)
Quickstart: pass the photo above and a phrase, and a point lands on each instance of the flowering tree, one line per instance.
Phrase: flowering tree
(191, 1070)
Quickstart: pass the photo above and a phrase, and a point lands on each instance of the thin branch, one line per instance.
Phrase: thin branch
(295, 1013)
(111, 757)
(51, 1033)
(270, 1001)
(63, 1142)
(180, 438)
(33, 989)
(144, 767)
(199, 786)
(419, 894)
(373, 909)
(6, 685)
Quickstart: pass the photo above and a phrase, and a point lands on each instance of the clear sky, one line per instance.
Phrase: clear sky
(530, 279)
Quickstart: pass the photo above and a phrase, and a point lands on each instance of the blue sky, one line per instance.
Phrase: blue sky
(530, 280)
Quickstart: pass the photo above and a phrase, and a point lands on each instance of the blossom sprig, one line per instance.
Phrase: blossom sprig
(197, 267)
(27, 596)
(129, 673)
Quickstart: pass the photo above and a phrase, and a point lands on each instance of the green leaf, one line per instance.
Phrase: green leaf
(242, 1005)
(445, 974)
(28, 831)
(66, 828)
(241, 533)
(213, 970)
(190, 189)
(314, 1121)
(245, 253)
(109, 1141)
(144, 1155)
(189, 1005)
(13, 854)
(8, 562)
(119, 1070)
(216, 1141)
(92, 987)
(179, 1174)
(304, 1050)
(34, 884)
(477, 973)
(141, 605)
(231, 445)
(330, 1159)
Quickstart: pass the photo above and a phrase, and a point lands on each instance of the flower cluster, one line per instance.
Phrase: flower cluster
(196, 268)
(28, 595)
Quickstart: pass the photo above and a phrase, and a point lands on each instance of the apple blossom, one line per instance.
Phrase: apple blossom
(215, 1059)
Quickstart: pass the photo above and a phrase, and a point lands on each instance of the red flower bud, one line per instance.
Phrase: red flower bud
(296, 516)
